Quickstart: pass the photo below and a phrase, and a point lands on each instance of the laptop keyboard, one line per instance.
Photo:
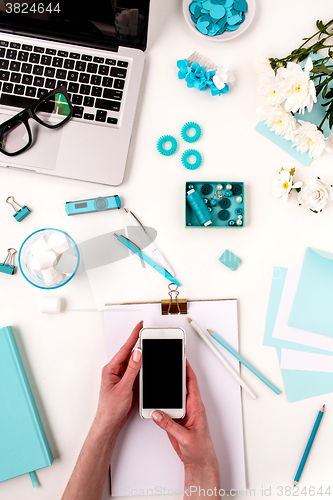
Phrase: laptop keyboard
(94, 84)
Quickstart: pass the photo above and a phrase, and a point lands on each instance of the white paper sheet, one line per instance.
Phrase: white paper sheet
(144, 458)
(308, 361)
(283, 331)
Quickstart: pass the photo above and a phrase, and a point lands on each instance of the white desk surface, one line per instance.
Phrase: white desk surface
(64, 354)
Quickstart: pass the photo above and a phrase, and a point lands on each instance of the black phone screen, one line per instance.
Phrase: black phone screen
(162, 373)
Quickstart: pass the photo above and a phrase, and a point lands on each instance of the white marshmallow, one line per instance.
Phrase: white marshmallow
(67, 264)
(43, 261)
(51, 276)
(58, 242)
(50, 305)
(40, 246)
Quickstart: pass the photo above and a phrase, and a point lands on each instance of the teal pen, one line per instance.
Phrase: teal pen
(135, 249)
(243, 361)
(309, 444)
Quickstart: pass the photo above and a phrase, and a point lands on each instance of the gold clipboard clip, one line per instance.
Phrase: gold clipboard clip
(174, 305)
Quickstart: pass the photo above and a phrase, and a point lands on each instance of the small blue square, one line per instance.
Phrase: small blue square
(230, 260)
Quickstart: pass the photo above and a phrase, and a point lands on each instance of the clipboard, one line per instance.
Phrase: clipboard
(221, 394)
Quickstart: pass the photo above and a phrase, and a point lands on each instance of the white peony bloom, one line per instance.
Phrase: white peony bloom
(279, 121)
(222, 77)
(283, 184)
(315, 194)
(296, 87)
(309, 139)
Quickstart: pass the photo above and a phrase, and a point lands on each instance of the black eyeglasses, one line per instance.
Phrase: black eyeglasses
(53, 110)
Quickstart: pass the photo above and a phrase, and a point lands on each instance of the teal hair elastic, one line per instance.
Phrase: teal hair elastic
(190, 152)
(160, 145)
(187, 127)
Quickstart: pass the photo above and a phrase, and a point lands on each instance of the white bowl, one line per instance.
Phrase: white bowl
(227, 35)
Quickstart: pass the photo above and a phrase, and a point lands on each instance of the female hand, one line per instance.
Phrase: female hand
(190, 436)
(119, 385)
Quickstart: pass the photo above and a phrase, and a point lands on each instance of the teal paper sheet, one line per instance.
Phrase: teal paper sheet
(299, 384)
(279, 278)
(24, 447)
(312, 308)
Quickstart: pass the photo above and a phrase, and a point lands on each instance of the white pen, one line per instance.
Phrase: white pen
(217, 353)
(151, 245)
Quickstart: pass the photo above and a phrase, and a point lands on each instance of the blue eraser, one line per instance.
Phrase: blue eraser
(230, 260)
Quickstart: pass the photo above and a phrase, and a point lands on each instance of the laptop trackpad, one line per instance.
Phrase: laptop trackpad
(43, 152)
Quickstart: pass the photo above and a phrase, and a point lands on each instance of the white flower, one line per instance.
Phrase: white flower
(315, 194)
(278, 120)
(296, 87)
(283, 184)
(269, 87)
(308, 138)
(262, 63)
(222, 77)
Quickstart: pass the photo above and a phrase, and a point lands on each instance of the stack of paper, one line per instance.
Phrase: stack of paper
(299, 325)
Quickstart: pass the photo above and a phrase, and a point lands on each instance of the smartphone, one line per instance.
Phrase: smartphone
(163, 372)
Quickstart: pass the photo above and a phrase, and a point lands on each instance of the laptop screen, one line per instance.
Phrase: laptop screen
(96, 23)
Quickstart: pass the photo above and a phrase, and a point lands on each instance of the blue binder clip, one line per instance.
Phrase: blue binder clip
(8, 266)
(21, 213)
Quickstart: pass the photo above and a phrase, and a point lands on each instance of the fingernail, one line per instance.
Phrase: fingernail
(137, 355)
(157, 416)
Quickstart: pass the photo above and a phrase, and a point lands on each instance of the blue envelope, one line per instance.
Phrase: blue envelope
(299, 384)
(312, 308)
(282, 143)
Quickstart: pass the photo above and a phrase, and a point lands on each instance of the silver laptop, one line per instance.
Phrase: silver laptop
(96, 50)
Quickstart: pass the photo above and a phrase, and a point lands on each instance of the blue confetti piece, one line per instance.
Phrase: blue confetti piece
(213, 30)
(240, 5)
(217, 11)
(202, 27)
(207, 5)
(205, 11)
(232, 28)
(228, 3)
(222, 22)
(204, 18)
(234, 20)
(191, 7)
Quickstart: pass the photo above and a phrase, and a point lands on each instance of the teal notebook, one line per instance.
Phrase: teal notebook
(23, 444)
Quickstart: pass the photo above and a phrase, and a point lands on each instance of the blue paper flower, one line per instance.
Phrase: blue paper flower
(184, 68)
(198, 77)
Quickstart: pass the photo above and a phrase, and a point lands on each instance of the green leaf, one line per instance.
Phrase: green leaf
(314, 211)
(320, 25)
(300, 189)
(329, 94)
(302, 57)
(330, 121)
